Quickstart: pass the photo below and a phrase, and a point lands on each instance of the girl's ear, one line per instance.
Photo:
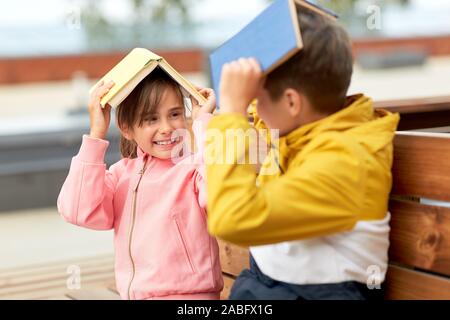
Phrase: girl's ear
(126, 132)
(293, 101)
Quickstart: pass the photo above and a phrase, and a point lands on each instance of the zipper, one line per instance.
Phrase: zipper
(133, 217)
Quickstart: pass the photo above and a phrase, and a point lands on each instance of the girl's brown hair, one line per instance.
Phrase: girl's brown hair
(141, 104)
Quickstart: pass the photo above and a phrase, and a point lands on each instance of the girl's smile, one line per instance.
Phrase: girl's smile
(167, 144)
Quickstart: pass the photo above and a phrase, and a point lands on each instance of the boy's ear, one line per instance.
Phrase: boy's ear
(293, 101)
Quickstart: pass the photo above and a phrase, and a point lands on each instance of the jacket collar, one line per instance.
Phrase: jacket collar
(141, 153)
(373, 128)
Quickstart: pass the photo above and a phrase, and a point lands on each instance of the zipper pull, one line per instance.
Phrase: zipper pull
(141, 172)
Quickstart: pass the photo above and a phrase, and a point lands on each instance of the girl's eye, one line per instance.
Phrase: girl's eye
(152, 119)
(176, 114)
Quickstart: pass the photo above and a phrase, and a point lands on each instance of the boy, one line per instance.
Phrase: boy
(318, 227)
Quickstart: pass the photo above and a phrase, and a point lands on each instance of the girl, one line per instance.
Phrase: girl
(155, 206)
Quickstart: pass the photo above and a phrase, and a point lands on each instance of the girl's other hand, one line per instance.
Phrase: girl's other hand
(99, 117)
(208, 107)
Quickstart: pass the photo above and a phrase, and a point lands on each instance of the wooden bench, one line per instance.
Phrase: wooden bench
(419, 255)
(50, 280)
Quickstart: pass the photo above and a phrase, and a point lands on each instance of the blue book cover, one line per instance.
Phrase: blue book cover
(272, 38)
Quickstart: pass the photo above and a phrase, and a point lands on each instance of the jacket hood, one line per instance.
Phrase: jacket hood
(372, 128)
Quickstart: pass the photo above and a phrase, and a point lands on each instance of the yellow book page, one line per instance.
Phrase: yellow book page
(182, 81)
(126, 70)
(126, 90)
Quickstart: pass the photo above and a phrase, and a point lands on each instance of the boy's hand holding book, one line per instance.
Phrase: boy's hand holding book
(239, 84)
(99, 117)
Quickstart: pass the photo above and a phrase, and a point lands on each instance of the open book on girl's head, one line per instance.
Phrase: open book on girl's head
(133, 69)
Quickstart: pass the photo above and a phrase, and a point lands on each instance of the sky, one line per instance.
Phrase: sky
(51, 12)
(49, 26)
(46, 26)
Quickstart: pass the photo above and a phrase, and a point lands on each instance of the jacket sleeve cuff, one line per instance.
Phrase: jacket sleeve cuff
(92, 150)
(201, 123)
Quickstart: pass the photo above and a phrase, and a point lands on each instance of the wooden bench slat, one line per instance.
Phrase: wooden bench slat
(86, 280)
(420, 236)
(419, 113)
(227, 284)
(94, 294)
(55, 284)
(415, 105)
(57, 297)
(61, 274)
(56, 266)
(45, 293)
(44, 281)
(419, 163)
(406, 284)
(113, 287)
(233, 258)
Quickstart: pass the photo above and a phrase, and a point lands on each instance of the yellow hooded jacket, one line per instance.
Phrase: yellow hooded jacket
(332, 173)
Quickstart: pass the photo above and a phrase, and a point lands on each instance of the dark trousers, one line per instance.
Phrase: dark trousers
(254, 285)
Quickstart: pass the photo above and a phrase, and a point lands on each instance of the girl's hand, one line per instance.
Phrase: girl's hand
(99, 117)
(208, 107)
(239, 85)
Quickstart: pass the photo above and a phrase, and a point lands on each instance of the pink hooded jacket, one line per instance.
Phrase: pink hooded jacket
(162, 246)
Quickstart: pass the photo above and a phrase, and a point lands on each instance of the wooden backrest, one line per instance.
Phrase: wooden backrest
(420, 233)
(419, 113)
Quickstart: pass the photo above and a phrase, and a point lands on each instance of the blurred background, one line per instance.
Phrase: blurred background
(52, 51)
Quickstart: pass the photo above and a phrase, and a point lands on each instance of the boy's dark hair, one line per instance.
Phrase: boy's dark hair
(141, 104)
(322, 70)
